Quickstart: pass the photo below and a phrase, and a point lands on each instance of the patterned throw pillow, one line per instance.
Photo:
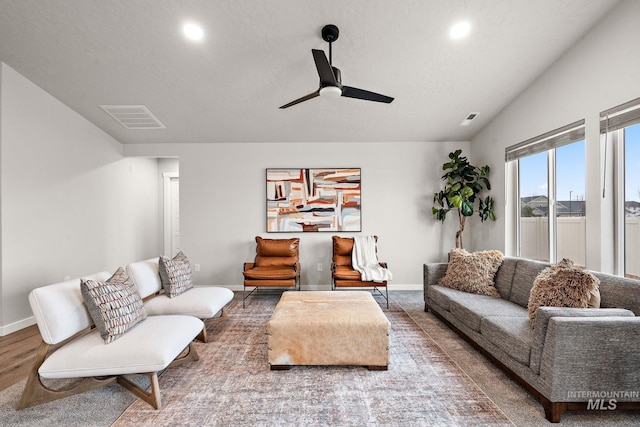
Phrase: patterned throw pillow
(114, 305)
(564, 284)
(175, 274)
(473, 272)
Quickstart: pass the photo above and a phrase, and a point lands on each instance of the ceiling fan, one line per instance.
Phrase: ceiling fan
(330, 78)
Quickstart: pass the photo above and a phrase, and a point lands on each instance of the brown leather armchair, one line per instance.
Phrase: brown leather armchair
(276, 265)
(343, 275)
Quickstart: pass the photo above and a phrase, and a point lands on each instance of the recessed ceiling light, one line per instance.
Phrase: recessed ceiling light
(460, 30)
(193, 31)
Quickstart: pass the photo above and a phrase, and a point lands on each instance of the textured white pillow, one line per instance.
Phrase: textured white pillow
(175, 274)
(114, 305)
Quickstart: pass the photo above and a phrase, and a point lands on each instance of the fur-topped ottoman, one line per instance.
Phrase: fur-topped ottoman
(328, 328)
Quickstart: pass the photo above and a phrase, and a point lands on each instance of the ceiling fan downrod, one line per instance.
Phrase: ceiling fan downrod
(330, 34)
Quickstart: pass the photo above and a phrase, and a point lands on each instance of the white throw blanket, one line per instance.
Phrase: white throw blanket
(365, 260)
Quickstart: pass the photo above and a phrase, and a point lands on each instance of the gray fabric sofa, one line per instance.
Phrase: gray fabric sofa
(574, 358)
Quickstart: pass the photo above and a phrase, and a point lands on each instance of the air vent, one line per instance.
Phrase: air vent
(133, 116)
(470, 117)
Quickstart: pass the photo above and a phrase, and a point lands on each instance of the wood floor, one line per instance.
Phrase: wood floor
(17, 351)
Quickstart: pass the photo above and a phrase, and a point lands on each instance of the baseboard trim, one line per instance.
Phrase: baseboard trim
(16, 326)
(327, 287)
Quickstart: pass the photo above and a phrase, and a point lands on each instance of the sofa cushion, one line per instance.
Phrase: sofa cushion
(145, 274)
(470, 309)
(149, 347)
(563, 284)
(202, 302)
(504, 276)
(442, 295)
(114, 305)
(175, 274)
(510, 334)
(473, 272)
(526, 272)
(620, 292)
(59, 309)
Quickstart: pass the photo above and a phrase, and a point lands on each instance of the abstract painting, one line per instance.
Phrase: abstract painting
(311, 200)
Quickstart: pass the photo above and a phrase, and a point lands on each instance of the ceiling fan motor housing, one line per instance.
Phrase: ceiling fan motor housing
(330, 33)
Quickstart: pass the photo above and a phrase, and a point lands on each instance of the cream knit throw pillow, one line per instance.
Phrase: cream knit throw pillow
(473, 272)
(563, 285)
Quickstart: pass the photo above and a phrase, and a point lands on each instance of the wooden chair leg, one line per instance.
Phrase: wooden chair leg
(35, 392)
(152, 397)
(189, 354)
(202, 336)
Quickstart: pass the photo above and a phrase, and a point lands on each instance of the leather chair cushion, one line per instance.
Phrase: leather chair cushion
(275, 261)
(272, 272)
(344, 272)
(276, 252)
(277, 247)
(342, 248)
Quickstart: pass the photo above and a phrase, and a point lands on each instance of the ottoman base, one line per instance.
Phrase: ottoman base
(328, 328)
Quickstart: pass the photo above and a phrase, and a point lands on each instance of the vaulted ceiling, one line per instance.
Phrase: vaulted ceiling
(256, 56)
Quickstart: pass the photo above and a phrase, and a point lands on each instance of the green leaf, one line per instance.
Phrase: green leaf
(466, 192)
(466, 208)
(455, 201)
(476, 187)
(486, 183)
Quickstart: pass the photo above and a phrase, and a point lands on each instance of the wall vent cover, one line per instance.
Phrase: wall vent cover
(133, 116)
(470, 117)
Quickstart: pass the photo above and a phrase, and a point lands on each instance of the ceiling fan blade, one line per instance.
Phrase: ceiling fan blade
(304, 98)
(353, 92)
(327, 78)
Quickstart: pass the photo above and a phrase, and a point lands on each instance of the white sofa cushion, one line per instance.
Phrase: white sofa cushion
(146, 276)
(148, 347)
(203, 302)
(59, 309)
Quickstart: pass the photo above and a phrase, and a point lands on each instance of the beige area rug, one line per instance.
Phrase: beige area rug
(232, 385)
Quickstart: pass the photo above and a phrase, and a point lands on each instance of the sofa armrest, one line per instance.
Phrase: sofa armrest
(247, 266)
(590, 354)
(433, 272)
(544, 314)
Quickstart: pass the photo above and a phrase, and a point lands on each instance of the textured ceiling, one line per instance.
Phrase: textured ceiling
(256, 56)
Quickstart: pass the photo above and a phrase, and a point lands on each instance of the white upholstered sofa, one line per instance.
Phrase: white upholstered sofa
(72, 348)
(204, 302)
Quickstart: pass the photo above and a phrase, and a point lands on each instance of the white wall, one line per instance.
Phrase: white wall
(71, 204)
(222, 204)
(599, 72)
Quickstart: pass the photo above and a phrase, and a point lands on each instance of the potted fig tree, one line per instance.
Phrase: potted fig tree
(464, 186)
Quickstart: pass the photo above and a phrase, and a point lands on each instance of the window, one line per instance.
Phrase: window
(632, 201)
(551, 213)
(621, 127)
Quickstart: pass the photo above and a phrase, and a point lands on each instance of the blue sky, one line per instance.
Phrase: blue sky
(570, 173)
